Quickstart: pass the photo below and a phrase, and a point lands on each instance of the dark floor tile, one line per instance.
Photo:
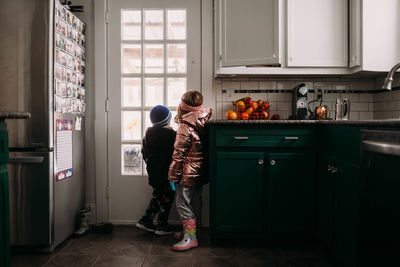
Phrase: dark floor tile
(117, 261)
(71, 260)
(125, 248)
(258, 252)
(132, 234)
(31, 260)
(304, 251)
(82, 246)
(310, 262)
(166, 250)
(250, 262)
(213, 250)
(167, 261)
(204, 261)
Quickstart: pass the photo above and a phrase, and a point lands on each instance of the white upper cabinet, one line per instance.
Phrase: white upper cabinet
(317, 33)
(377, 25)
(247, 32)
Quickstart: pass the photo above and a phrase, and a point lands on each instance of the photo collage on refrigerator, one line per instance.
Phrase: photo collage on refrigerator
(69, 67)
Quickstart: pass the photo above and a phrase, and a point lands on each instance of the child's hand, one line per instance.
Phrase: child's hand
(172, 185)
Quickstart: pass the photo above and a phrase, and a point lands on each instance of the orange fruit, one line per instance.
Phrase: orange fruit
(231, 115)
(249, 110)
(240, 105)
(265, 115)
(244, 116)
(260, 102)
(254, 105)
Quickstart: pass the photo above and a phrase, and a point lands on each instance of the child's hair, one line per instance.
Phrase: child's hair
(191, 98)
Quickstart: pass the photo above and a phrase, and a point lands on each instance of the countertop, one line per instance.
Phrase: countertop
(390, 123)
(14, 115)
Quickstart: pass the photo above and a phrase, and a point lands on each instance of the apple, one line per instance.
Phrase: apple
(248, 102)
(275, 117)
(265, 115)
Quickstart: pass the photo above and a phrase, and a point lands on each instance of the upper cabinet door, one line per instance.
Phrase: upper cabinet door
(317, 33)
(355, 33)
(247, 32)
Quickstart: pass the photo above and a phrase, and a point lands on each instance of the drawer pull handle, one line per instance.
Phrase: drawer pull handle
(240, 138)
(291, 138)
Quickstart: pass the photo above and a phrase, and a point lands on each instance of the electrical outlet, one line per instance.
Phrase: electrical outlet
(319, 93)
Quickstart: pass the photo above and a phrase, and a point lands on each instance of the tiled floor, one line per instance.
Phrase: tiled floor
(129, 246)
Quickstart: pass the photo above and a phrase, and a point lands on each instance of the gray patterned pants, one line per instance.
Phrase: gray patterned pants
(189, 202)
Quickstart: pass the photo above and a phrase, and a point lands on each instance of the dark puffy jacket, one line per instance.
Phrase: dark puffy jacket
(158, 146)
(188, 160)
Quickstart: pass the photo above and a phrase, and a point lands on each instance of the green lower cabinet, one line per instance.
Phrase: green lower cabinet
(238, 204)
(325, 200)
(4, 200)
(290, 194)
(346, 210)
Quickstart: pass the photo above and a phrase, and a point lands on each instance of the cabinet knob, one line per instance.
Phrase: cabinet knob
(260, 161)
(330, 168)
(273, 162)
(334, 170)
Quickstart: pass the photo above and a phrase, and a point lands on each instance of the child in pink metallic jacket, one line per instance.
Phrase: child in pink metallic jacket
(187, 166)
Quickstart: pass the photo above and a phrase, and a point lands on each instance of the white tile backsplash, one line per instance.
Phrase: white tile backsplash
(363, 105)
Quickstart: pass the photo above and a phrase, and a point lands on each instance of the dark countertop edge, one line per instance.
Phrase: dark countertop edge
(14, 115)
(308, 122)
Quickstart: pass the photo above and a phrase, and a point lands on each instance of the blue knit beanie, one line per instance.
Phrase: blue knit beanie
(160, 115)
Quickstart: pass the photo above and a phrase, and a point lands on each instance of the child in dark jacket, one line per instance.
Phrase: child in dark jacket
(157, 149)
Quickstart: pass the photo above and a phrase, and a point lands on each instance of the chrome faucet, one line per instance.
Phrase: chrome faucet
(387, 85)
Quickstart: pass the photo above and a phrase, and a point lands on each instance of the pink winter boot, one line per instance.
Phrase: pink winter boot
(178, 235)
(189, 239)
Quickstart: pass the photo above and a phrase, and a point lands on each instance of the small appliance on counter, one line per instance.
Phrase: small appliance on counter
(299, 102)
(342, 109)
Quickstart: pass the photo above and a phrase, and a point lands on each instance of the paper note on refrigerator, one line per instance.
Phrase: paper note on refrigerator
(63, 149)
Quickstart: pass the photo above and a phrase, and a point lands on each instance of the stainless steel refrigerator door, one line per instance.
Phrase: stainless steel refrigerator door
(69, 194)
(26, 67)
(31, 198)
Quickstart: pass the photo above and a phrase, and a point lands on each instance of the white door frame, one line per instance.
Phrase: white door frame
(101, 81)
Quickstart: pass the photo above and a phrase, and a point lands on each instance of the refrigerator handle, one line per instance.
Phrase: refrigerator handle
(26, 160)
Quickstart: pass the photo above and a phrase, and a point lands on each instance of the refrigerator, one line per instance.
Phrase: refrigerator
(42, 71)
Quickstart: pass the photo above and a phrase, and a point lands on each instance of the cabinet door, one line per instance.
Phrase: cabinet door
(346, 208)
(238, 192)
(290, 194)
(4, 217)
(355, 33)
(247, 32)
(325, 200)
(317, 33)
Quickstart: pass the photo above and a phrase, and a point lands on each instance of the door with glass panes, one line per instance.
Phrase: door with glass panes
(153, 58)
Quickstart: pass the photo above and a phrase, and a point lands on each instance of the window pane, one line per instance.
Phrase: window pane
(147, 119)
(176, 24)
(131, 160)
(174, 125)
(154, 58)
(176, 87)
(176, 58)
(153, 24)
(131, 24)
(154, 88)
(131, 92)
(131, 58)
(131, 125)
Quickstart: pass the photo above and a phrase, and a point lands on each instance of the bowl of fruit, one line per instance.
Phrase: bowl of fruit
(247, 109)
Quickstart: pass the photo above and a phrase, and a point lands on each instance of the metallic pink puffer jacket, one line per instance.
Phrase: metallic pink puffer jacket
(187, 158)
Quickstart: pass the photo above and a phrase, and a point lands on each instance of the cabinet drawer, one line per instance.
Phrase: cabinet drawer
(265, 138)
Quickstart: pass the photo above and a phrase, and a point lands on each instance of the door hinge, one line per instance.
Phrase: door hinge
(220, 57)
(107, 17)
(107, 192)
(106, 105)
